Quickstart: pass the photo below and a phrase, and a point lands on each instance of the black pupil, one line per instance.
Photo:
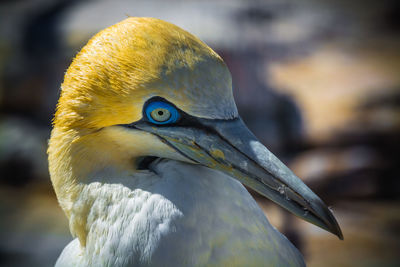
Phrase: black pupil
(160, 112)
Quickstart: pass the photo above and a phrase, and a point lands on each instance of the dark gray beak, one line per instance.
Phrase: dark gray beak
(229, 146)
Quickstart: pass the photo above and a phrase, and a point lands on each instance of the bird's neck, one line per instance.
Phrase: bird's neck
(176, 207)
(75, 158)
(175, 212)
(123, 217)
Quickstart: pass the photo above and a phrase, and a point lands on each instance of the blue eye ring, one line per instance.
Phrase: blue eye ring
(162, 106)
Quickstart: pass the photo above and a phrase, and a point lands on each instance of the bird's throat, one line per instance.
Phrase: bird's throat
(180, 208)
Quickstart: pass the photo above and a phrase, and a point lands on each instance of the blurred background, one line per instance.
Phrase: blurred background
(317, 81)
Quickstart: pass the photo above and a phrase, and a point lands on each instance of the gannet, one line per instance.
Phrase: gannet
(148, 157)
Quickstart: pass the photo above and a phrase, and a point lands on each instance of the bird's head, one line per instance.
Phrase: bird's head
(146, 88)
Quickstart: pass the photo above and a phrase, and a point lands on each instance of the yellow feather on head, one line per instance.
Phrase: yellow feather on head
(125, 64)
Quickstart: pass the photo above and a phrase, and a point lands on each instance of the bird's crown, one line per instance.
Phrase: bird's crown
(126, 64)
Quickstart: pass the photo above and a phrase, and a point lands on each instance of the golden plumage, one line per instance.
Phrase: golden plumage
(111, 77)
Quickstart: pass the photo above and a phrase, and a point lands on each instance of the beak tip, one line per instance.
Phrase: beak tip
(334, 225)
(339, 233)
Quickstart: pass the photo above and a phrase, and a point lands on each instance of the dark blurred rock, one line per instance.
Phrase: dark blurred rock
(22, 152)
(33, 69)
(361, 163)
(274, 118)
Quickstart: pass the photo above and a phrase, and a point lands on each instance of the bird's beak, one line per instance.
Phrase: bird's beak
(230, 147)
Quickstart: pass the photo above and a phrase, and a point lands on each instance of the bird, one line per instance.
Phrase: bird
(148, 158)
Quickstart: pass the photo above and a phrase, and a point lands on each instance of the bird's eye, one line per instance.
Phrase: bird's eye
(159, 112)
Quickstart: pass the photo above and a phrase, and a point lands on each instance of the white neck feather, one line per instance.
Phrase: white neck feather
(179, 215)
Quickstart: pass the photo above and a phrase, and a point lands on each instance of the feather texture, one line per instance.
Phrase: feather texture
(170, 218)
